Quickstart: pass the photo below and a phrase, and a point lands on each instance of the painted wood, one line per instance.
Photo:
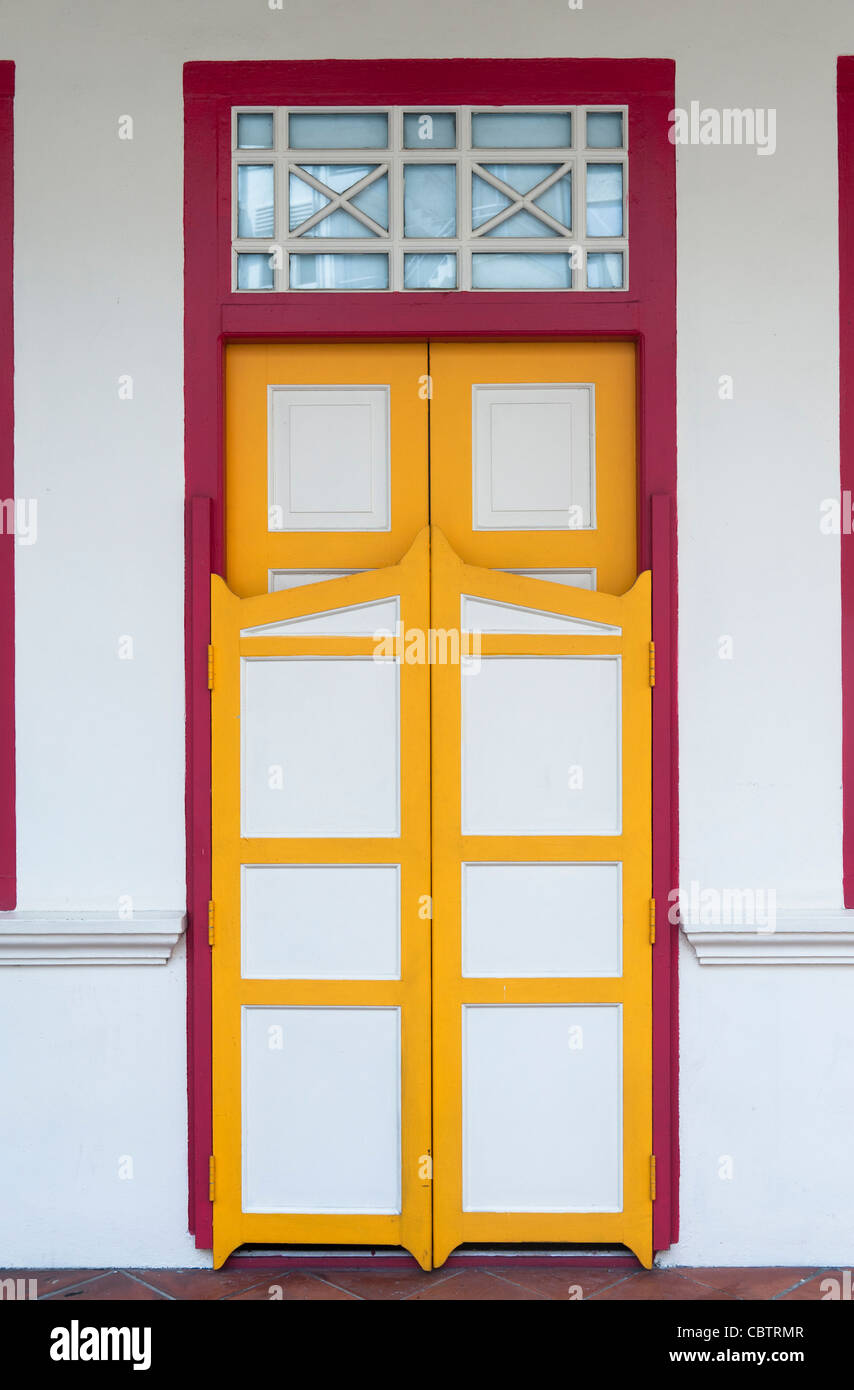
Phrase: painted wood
(320, 921)
(538, 920)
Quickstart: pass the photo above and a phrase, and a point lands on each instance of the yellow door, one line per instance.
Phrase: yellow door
(372, 861)
(541, 889)
(321, 950)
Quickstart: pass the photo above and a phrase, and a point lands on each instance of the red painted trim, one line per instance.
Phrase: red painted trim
(646, 314)
(8, 882)
(845, 97)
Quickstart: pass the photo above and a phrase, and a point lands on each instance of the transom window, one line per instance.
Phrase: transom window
(463, 198)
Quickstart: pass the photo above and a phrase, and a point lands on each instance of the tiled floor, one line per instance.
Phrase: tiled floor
(476, 1284)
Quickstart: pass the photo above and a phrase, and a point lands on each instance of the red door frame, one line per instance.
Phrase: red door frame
(214, 315)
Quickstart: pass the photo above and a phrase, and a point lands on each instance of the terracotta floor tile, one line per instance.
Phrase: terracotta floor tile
(556, 1283)
(386, 1284)
(107, 1289)
(51, 1280)
(476, 1285)
(294, 1287)
(749, 1283)
(202, 1284)
(664, 1284)
(811, 1291)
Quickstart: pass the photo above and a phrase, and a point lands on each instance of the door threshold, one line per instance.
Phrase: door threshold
(392, 1257)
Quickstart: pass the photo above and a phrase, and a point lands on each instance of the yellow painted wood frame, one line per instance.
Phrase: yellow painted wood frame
(232, 993)
(632, 1226)
(250, 369)
(611, 546)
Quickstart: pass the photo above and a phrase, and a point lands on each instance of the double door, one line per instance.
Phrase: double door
(431, 801)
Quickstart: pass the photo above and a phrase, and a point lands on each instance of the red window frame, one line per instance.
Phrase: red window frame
(646, 313)
(8, 882)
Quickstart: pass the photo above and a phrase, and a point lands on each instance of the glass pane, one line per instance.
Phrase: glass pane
(604, 200)
(374, 201)
(605, 270)
(429, 271)
(358, 130)
(429, 130)
(429, 200)
(605, 130)
(254, 271)
(522, 177)
(339, 177)
(515, 130)
(557, 200)
(344, 271)
(522, 223)
(255, 131)
(339, 223)
(486, 201)
(304, 201)
(255, 200)
(520, 270)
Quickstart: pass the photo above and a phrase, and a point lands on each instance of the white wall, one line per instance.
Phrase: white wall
(766, 1054)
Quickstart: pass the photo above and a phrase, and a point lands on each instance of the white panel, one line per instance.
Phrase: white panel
(575, 579)
(321, 1109)
(329, 467)
(358, 620)
(539, 920)
(542, 1107)
(533, 457)
(486, 615)
(320, 746)
(277, 580)
(320, 921)
(541, 746)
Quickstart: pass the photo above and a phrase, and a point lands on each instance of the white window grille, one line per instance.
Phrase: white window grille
(444, 198)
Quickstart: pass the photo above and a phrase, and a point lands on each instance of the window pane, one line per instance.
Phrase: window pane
(255, 200)
(522, 177)
(254, 271)
(604, 200)
(495, 130)
(429, 271)
(557, 200)
(605, 270)
(255, 131)
(374, 201)
(429, 130)
(604, 130)
(344, 271)
(429, 200)
(519, 270)
(365, 130)
(339, 223)
(304, 201)
(522, 223)
(339, 177)
(486, 201)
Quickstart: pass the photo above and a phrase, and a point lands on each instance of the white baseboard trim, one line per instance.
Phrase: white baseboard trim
(89, 938)
(801, 936)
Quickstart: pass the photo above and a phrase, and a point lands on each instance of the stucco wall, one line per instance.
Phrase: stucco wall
(767, 1054)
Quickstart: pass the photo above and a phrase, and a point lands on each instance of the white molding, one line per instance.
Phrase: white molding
(801, 936)
(89, 938)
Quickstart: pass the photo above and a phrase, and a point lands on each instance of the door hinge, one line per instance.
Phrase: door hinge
(210, 923)
(651, 1177)
(652, 663)
(211, 1178)
(652, 921)
(210, 668)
